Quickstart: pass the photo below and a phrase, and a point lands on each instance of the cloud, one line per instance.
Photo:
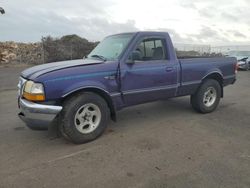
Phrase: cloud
(208, 12)
(207, 32)
(186, 4)
(230, 17)
(236, 33)
(176, 38)
(97, 28)
(188, 21)
(208, 35)
(30, 24)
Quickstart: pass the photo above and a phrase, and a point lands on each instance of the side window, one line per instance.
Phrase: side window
(151, 49)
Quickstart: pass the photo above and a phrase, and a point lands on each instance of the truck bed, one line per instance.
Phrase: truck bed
(193, 70)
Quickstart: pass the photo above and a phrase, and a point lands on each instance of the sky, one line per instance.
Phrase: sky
(216, 22)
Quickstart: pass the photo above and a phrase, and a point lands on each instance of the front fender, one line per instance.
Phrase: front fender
(92, 86)
(84, 85)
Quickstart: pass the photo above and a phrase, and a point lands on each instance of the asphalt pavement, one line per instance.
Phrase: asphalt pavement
(155, 145)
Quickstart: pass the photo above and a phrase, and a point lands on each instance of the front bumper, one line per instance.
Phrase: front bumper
(37, 116)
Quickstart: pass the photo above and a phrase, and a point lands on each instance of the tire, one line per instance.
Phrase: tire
(207, 97)
(84, 117)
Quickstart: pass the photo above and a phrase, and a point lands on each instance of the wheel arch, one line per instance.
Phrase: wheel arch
(215, 76)
(99, 91)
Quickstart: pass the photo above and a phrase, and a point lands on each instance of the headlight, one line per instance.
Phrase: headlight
(33, 91)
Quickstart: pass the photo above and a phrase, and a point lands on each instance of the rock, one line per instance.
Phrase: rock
(30, 53)
(48, 50)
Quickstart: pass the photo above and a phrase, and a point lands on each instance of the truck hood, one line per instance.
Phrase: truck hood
(39, 70)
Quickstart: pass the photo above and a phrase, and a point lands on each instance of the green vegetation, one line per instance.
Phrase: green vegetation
(66, 48)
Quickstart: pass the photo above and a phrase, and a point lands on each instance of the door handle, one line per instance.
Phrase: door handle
(110, 77)
(169, 69)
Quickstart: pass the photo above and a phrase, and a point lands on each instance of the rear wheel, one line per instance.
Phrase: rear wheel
(207, 98)
(84, 117)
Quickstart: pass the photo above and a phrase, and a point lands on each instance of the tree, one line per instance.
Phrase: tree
(2, 10)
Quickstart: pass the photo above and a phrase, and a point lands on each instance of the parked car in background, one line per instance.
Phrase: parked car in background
(243, 58)
(123, 70)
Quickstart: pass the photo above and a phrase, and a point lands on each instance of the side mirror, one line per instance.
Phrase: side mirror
(135, 56)
(130, 61)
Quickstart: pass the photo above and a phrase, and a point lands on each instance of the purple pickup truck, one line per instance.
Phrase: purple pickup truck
(79, 96)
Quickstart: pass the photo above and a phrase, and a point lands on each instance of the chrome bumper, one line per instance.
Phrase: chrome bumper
(37, 116)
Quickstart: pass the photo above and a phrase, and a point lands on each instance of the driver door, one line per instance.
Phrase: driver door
(151, 76)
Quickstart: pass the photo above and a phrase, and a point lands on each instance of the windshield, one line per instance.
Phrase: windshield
(111, 47)
(239, 53)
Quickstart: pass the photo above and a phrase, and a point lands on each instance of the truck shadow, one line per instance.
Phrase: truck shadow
(153, 112)
(165, 107)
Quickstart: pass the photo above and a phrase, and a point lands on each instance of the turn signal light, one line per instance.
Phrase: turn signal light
(33, 97)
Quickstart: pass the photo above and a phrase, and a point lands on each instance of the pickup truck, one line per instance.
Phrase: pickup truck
(123, 70)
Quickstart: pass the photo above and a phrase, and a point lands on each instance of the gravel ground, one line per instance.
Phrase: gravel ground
(155, 145)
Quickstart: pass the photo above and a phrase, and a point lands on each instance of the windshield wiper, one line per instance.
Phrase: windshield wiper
(100, 57)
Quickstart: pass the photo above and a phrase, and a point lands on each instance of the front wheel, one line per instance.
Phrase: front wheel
(207, 98)
(84, 117)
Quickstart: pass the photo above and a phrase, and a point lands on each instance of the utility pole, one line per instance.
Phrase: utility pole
(2, 10)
